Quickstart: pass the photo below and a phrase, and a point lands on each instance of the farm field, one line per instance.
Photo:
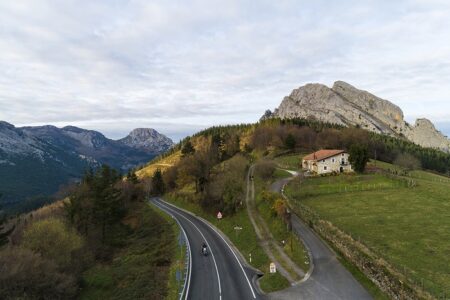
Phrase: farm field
(408, 226)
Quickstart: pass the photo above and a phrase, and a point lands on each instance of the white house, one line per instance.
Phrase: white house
(327, 161)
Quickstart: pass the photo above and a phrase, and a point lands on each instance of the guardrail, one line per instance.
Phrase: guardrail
(188, 264)
(184, 291)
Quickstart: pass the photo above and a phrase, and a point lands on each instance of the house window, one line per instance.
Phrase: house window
(323, 160)
(342, 154)
(324, 168)
(332, 160)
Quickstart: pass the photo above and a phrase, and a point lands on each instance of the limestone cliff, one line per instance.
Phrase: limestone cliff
(346, 105)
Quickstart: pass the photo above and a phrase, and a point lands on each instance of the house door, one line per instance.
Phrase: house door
(341, 169)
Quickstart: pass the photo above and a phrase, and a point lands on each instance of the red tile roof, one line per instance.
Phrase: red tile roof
(322, 154)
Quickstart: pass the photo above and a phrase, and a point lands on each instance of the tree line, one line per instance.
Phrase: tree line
(214, 161)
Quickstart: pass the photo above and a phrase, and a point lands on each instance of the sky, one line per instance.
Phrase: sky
(180, 66)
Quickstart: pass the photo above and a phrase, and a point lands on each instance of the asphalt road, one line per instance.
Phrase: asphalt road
(329, 278)
(221, 274)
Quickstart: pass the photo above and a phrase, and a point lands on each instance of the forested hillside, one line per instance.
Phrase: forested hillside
(200, 174)
(89, 245)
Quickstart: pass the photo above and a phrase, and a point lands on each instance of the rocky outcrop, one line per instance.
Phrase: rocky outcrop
(148, 140)
(346, 105)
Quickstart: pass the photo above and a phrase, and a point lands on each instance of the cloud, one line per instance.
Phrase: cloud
(180, 66)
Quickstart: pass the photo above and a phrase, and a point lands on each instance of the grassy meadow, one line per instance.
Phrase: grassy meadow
(162, 164)
(407, 226)
(290, 162)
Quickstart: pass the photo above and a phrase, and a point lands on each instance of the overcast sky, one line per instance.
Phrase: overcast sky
(179, 66)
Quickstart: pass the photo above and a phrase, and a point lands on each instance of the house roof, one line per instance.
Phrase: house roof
(322, 154)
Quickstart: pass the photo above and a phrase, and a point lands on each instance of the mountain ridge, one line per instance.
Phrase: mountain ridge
(343, 104)
(37, 160)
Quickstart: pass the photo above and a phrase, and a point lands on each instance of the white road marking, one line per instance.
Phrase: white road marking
(206, 241)
(235, 256)
(187, 283)
(229, 247)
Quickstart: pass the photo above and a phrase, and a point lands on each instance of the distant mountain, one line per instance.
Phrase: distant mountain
(35, 161)
(346, 105)
(147, 139)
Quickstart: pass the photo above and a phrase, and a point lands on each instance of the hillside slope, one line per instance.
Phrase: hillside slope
(346, 105)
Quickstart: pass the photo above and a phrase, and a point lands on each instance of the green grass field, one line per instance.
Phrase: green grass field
(280, 174)
(291, 162)
(409, 227)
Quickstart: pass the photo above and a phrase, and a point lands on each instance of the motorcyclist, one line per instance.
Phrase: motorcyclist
(204, 248)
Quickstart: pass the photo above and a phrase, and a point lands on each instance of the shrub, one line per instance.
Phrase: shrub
(359, 157)
(265, 169)
(53, 240)
(26, 275)
(407, 161)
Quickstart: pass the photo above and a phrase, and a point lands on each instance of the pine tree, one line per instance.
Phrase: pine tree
(157, 183)
(187, 148)
(290, 142)
(131, 177)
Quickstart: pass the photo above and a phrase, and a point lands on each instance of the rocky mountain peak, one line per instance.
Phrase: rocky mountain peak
(88, 138)
(147, 139)
(345, 105)
(6, 125)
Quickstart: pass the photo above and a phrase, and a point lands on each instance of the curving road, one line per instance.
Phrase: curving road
(329, 279)
(221, 274)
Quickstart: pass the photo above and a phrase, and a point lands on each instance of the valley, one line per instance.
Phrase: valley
(224, 150)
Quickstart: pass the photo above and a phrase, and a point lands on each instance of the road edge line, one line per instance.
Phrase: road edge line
(187, 283)
(210, 249)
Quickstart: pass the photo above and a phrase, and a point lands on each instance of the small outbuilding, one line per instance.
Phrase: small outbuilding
(327, 161)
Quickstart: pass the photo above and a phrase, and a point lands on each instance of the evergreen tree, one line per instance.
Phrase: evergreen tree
(131, 177)
(158, 183)
(359, 156)
(290, 142)
(187, 148)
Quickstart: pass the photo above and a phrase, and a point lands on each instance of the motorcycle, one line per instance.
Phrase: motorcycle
(205, 251)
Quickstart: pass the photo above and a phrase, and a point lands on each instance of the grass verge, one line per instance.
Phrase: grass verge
(178, 266)
(290, 243)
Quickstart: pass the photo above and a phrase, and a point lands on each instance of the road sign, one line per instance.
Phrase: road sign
(273, 268)
(219, 215)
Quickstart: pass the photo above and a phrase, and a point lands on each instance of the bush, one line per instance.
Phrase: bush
(359, 157)
(226, 189)
(407, 161)
(26, 275)
(265, 169)
(53, 240)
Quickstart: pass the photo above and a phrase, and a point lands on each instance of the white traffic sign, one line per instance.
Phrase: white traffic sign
(219, 215)
(273, 268)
